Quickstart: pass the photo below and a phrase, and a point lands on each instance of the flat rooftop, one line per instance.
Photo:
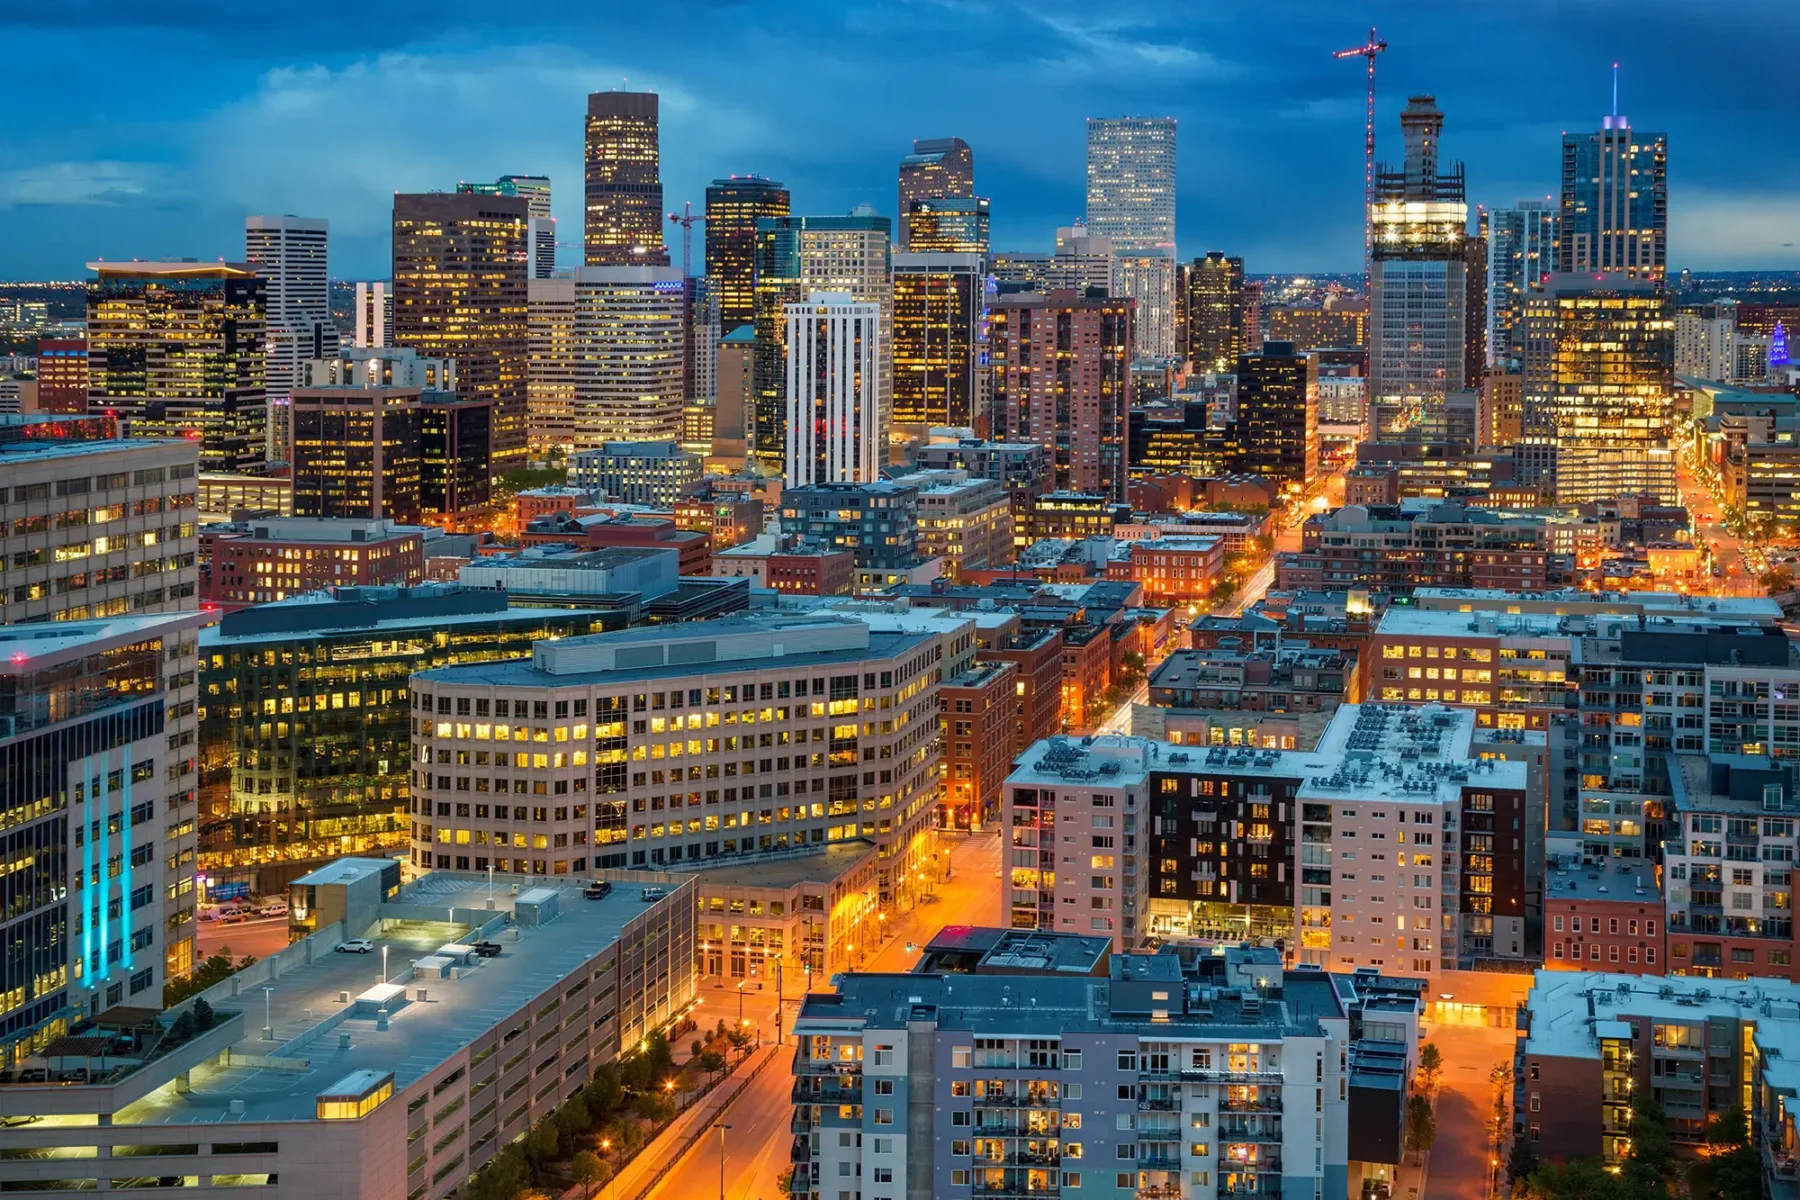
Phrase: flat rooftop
(420, 1035)
(1575, 600)
(1621, 880)
(1566, 1005)
(1372, 752)
(823, 867)
(31, 450)
(1037, 1002)
(22, 645)
(527, 672)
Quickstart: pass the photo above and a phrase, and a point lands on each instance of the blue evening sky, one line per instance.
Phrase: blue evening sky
(148, 128)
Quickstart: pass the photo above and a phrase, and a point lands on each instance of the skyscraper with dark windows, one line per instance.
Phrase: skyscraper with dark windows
(947, 225)
(937, 169)
(937, 356)
(1278, 414)
(178, 350)
(461, 277)
(733, 206)
(624, 213)
(795, 257)
(1615, 201)
(1215, 312)
(1521, 253)
(536, 190)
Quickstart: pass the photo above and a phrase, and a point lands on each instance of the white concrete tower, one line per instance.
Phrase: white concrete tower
(834, 432)
(291, 253)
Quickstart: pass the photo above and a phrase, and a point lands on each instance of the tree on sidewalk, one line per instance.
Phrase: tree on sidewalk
(1421, 1124)
(591, 1171)
(1431, 1068)
(1521, 1162)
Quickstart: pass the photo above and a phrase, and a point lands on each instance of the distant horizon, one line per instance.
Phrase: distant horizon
(332, 109)
(1746, 273)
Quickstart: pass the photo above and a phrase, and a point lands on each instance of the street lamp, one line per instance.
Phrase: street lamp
(384, 966)
(721, 1127)
(740, 992)
(268, 1023)
(606, 1153)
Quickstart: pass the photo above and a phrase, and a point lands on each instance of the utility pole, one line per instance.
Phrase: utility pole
(1367, 51)
(721, 1127)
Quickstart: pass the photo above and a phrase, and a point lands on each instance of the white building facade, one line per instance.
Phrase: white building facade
(292, 254)
(834, 432)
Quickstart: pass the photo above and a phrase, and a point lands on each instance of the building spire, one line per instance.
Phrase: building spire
(1615, 107)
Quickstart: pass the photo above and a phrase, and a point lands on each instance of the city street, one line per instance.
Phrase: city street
(1743, 563)
(757, 1143)
(1459, 1164)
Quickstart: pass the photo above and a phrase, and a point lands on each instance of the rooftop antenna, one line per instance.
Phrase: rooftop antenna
(1615, 111)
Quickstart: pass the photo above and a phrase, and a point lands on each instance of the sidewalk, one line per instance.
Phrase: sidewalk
(665, 1150)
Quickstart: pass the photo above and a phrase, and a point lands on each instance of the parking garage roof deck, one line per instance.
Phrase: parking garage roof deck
(420, 1035)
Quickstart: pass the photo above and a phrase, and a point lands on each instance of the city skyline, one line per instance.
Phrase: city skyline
(179, 177)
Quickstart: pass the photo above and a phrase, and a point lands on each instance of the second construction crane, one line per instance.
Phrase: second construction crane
(687, 218)
(1367, 50)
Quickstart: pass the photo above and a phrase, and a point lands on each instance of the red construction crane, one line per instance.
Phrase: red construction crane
(1368, 51)
(687, 219)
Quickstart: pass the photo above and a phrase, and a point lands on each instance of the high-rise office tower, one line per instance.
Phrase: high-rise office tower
(1521, 253)
(937, 169)
(796, 256)
(629, 348)
(733, 206)
(178, 350)
(947, 225)
(700, 363)
(98, 776)
(374, 315)
(1599, 388)
(833, 426)
(854, 254)
(461, 286)
(1278, 414)
(551, 362)
(1615, 201)
(777, 253)
(1215, 312)
(62, 371)
(123, 540)
(1148, 276)
(1131, 200)
(1082, 260)
(1475, 314)
(383, 435)
(1131, 182)
(1706, 340)
(1061, 369)
(624, 209)
(536, 190)
(938, 306)
(290, 253)
(1419, 286)
(1028, 269)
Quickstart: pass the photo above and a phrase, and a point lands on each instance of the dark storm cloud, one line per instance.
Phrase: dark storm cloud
(147, 129)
